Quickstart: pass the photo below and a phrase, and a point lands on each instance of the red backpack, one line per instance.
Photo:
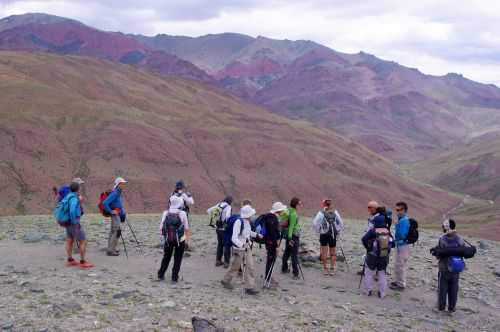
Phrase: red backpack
(102, 198)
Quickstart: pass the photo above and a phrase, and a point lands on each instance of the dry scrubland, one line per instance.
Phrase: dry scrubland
(40, 294)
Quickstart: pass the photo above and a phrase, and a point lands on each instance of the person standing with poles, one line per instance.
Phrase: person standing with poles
(113, 206)
(219, 216)
(272, 236)
(174, 228)
(242, 252)
(292, 239)
(328, 224)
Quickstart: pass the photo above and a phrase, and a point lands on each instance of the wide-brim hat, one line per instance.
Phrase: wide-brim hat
(119, 180)
(247, 212)
(77, 180)
(278, 207)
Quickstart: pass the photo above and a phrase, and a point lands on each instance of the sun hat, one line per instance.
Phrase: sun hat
(247, 212)
(78, 180)
(119, 180)
(278, 207)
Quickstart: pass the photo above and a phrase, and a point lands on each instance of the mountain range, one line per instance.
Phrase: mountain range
(352, 101)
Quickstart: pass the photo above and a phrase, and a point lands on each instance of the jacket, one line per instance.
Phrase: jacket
(75, 209)
(240, 238)
(402, 229)
(188, 199)
(293, 223)
(320, 219)
(449, 240)
(114, 201)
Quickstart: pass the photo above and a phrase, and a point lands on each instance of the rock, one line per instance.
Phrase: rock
(168, 304)
(497, 272)
(184, 325)
(7, 326)
(34, 237)
(37, 290)
(483, 245)
(124, 295)
(60, 238)
(203, 325)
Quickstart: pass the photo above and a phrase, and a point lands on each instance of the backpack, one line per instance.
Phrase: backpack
(228, 232)
(412, 232)
(383, 240)
(61, 212)
(284, 219)
(456, 264)
(259, 227)
(63, 192)
(328, 224)
(100, 206)
(216, 217)
(172, 229)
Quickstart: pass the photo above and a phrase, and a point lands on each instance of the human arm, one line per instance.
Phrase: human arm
(317, 221)
(292, 224)
(339, 222)
(236, 232)
(226, 212)
(188, 198)
(108, 201)
(161, 221)
(75, 211)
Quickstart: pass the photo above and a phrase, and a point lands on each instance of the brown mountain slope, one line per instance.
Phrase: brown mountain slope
(74, 116)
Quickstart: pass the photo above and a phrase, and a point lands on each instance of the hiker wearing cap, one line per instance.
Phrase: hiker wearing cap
(75, 231)
(271, 237)
(174, 228)
(378, 243)
(219, 216)
(448, 279)
(402, 247)
(113, 205)
(328, 224)
(242, 252)
(292, 239)
(187, 198)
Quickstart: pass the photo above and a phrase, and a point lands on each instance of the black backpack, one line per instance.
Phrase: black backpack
(172, 229)
(329, 222)
(412, 232)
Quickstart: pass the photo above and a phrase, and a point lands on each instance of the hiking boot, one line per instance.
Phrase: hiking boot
(161, 278)
(251, 291)
(370, 293)
(113, 253)
(296, 277)
(72, 262)
(380, 296)
(397, 287)
(360, 273)
(226, 284)
(218, 263)
(285, 271)
(226, 265)
(85, 265)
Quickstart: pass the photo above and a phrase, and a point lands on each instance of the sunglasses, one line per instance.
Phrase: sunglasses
(399, 210)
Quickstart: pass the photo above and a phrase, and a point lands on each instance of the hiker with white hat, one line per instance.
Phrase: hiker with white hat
(242, 252)
(113, 205)
(271, 224)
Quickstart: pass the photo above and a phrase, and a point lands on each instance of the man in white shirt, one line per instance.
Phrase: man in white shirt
(223, 212)
(242, 252)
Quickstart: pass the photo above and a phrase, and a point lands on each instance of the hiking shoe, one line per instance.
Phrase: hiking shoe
(218, 263)
(370, 293)
(251, 291)
(285, 271)
(380, 296)
(113, 253)
(296, 277)
(85, 265)
(326, 272)
(360, 273)
(397, 287)
(72, 262)
(227, 285)
(160, 278)
(226, 265)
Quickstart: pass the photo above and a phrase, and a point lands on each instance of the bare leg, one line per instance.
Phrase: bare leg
(69, 247)
(333, 257)
(324, 258)
(83, 249)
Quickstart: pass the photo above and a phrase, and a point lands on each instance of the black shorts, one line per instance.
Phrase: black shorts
(328, 240)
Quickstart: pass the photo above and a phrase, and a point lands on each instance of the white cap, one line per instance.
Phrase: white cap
(247, 212)
(119, 180)
(176, 202)
(77, 180)
(278, 207)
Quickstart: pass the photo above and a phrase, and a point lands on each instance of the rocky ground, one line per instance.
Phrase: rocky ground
(38, 293)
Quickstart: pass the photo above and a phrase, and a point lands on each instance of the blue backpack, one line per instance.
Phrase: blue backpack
(259, 227)
(456, 264)
(63, 192)
(61, 212)
(228, 232)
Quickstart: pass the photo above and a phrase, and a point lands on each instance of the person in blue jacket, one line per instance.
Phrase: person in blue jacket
(75, 232)
(402, 247)
(114, 206)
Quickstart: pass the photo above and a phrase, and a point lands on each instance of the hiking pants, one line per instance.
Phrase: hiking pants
(400, 265)
(375, 266)
(242, 259)
(178, 252)
(114, 233)
(292, 252)
(448, 288)
(271, 259)
(222, 249)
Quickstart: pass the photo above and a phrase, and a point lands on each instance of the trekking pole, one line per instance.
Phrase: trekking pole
(244, 263)
(267, 280)
(124, 246)
(362, 274)
(135, 237)
(300, 269)
(343, 255)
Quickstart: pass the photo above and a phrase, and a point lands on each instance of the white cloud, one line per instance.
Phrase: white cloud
(436, 36)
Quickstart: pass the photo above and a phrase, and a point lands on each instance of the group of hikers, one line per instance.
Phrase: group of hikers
(237, 233)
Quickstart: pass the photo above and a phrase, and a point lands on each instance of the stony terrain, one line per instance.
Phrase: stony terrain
(38, 293)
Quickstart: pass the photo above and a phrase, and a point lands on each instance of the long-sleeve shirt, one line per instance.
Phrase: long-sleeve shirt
(402, 229)
(114, 201)
(241, 238)
(75, 209)
(319, 219)
(293, 223)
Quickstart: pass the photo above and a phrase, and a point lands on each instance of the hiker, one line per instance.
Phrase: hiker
(328, 224)
(242, 252)
(174, 227)
(219, 214)
(402, 247)
(448, 280)
(187, 198)
(378, 242)
(74, 230)
(292, 239)
(113, 206)
(271, 224)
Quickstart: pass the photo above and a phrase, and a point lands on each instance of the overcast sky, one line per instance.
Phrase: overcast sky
(435, 36)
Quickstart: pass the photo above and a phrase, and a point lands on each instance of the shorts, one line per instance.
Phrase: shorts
(328, 240)
(75, 232)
